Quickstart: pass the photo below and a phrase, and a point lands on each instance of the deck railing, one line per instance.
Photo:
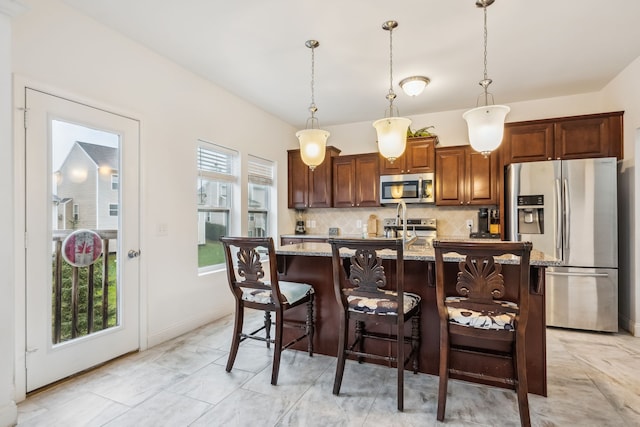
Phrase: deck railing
(88, 297)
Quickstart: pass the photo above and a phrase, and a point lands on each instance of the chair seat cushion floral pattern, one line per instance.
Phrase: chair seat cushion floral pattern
(380, 305)
(291, 292)
(488, 319)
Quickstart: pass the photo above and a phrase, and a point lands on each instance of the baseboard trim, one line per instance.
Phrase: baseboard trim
(629, 325)
(9, 415)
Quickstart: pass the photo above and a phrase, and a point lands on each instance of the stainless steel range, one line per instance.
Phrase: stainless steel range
(424, 228)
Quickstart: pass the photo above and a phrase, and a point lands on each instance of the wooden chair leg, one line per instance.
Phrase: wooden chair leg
(310, 325)
(342, 346)
(415, 342)
(359, 338)
(522, 387)
(237, 332)
(400, 363)
(267, 327)
(443, 372)
(277, 350)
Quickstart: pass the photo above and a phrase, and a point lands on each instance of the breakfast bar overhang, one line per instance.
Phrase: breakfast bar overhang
(311, 263)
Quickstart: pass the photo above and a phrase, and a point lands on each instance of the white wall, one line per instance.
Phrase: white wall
(69, 54)
(623, 93)
(8, 410)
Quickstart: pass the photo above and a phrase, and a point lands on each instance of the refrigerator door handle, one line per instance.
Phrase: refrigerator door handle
(567, 213)
(557, 273)
(558, 216)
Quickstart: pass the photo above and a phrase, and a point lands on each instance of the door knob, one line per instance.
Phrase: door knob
(133, 254)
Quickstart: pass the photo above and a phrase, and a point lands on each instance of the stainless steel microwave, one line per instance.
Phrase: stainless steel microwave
(410, 188)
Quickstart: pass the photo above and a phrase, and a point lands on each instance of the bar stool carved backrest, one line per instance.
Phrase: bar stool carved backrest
(251, 288)
(370, 290)
(483, 312)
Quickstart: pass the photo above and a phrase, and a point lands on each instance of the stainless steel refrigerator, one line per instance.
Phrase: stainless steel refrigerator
(568, 209)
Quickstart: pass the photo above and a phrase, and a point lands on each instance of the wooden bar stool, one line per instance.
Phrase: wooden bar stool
(250, 290)
(483, 313)
(368, 294)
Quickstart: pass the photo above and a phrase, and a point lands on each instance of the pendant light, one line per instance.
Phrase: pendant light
(486, 123)
(312, 139)
(392, 130)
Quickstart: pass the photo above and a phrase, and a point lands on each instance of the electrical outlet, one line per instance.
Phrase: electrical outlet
(469, 225)
(359, 224)
(313, 223)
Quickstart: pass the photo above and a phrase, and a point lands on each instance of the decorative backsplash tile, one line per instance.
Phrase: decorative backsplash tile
(451, 221)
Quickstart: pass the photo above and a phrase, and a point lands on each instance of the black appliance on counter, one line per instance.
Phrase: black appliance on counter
(484, 231)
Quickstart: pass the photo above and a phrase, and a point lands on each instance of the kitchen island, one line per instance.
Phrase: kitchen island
(311, 263)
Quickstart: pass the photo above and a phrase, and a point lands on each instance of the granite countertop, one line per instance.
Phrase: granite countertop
(414, 253)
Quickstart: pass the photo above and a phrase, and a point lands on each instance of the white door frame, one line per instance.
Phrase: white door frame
(19, 84)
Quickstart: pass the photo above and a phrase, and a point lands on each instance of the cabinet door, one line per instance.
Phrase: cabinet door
(481, 178)
(343, 182)
(582, 138)
(396, 168)
(320, 182)
(420, 155)
(528, 142)
(450, 171)
(298, 181)
(367, 179)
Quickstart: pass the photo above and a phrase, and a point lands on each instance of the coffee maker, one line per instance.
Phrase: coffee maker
(483, 220)
(300, 229)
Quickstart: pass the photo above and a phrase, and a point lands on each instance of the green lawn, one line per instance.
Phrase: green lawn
(210, 253)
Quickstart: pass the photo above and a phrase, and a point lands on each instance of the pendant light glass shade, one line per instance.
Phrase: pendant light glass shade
(313, 144)
(486, 127)
(392, 136)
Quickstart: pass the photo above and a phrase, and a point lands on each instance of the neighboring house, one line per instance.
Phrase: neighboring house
(87, 182)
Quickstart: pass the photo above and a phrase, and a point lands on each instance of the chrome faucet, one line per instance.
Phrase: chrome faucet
(407, 240)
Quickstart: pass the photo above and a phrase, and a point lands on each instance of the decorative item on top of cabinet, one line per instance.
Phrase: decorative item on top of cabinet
(307, 188)
(575, 137)
(356, 181)
(419, 156)
(466, 177)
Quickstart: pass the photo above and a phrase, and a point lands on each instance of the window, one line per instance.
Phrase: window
(114, 181)
(113, 209)
(214, 191)
(259, 194)
(76, 212)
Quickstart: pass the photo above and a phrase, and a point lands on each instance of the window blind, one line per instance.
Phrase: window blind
(261, 171)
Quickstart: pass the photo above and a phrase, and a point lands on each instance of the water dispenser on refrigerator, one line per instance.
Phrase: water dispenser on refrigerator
(531, 214)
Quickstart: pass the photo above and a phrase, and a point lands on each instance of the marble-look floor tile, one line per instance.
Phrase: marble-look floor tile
(211, 384)
(85, 410)
(162, 409)
(246, 408)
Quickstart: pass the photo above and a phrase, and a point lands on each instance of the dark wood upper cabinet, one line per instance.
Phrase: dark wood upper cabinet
(418, 157)
(356, 181)
(577, 137)
(466, 177)
(307, 188)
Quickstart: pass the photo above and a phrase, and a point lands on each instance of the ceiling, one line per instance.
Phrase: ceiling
(256, 50)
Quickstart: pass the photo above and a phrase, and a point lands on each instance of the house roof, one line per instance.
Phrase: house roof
(101, 155)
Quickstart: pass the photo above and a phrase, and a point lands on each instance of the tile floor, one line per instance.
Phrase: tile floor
(593, 380)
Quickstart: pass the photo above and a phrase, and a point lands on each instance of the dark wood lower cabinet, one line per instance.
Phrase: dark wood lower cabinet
(419, 278)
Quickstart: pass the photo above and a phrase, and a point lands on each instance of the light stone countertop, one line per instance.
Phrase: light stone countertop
(414, 254)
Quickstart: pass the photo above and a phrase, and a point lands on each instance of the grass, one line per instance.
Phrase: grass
(211, 253)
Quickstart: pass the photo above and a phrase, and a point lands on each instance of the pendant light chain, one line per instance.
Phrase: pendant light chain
(312, 107)
(486, 81)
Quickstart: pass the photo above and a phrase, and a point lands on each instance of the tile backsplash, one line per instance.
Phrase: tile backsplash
(451, 221)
